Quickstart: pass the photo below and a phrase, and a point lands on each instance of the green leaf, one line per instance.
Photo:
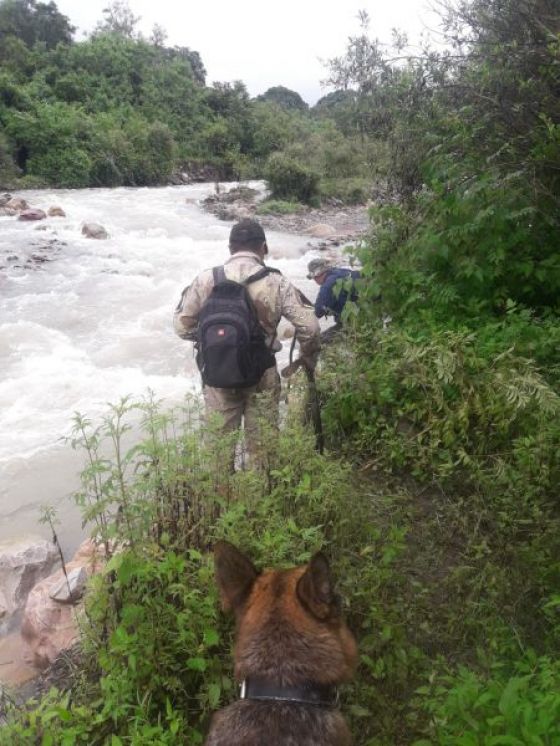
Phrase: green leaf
(359, 711)
(211, 637)
(197, 664)
(510, 695)
(214, 693)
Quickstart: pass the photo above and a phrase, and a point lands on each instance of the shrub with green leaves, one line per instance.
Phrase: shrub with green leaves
(351, 191)
(437, 399)
(290, 180)
(518, 709)
(419, 579)
(157, 651)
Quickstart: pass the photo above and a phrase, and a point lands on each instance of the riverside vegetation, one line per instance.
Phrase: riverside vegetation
(437, 496)
(118, 109)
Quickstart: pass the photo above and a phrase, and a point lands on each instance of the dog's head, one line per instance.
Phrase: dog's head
(289, 624)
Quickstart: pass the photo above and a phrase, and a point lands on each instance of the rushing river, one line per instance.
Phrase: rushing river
(84, 322)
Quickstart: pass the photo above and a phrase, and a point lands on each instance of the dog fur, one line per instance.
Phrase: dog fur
(289, 631)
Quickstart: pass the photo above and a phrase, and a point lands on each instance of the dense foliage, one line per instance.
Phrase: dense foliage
(438, 499)
(119, 109)
(157, 651)
(453, 377)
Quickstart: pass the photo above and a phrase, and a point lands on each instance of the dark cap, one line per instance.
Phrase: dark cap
(246, 231)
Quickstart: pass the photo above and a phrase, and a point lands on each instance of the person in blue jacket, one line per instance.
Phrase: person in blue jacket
(333, 295)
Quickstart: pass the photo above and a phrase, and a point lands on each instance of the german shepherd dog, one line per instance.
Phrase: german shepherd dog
(292, 649)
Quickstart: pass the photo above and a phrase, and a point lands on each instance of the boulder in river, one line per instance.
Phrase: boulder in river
(32, 214)
(321, 230)
(17, 203)
(23, 563)
(56, 212)
(94, 230)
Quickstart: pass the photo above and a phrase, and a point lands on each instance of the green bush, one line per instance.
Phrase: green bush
(523, 708)
(157, 650)
(350, 191)
(290, 180)
(444, 402)
(62, 168)
(8, 168)
(278, 207)
(420, 578)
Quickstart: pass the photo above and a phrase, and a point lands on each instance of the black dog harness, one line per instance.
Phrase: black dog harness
(320, 695)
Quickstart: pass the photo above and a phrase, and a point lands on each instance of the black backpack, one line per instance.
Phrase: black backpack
(231, 344)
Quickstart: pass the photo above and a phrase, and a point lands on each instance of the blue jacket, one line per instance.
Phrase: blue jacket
(332, 298)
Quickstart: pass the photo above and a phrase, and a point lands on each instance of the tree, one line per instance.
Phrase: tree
(474, 139)
(273, 129)
(158, 36)
(284, 97)
(334, 100)
(17, 57)
(193, 58)
(34, 22)
(8, 168)
(341, 107)
(119, 19)
(507, 85)
(231, 106)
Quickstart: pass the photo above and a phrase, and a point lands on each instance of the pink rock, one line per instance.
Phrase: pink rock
(49, 626)
(32, 215)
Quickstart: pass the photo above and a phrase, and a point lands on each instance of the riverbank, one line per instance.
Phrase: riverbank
(331, 225)
(448, 583)
(77, 338)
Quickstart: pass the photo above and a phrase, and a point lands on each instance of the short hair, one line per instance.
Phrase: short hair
(247, 234)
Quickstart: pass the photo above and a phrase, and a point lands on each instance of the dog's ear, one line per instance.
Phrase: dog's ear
(315, 588)
(235, 574)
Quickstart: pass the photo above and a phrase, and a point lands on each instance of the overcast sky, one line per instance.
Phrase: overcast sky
(263, 43)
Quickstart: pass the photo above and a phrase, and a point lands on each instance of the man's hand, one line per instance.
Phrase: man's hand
(303, 361)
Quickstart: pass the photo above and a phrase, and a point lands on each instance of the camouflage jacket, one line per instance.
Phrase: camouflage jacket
(274, 296)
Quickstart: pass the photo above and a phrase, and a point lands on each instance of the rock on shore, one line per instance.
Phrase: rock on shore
(334, 223)
(23, 563)
(50, 620)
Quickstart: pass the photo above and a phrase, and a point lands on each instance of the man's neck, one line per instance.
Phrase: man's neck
(247, 254)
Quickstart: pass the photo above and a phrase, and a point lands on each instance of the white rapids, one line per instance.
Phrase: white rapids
(84, 322)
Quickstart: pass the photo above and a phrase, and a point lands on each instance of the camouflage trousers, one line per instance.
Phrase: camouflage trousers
(257, 407)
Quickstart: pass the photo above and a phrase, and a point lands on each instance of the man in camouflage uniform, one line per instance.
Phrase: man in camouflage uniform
(273, 297)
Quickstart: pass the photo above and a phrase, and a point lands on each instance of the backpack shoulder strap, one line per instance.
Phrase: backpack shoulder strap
(219, 274)
(260, 274)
